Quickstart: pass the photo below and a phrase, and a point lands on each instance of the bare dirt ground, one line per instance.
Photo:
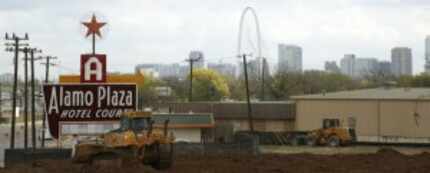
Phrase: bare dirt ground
(354, 149)
(384, 160)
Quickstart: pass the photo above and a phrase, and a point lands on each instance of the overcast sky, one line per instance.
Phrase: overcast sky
(165, 31)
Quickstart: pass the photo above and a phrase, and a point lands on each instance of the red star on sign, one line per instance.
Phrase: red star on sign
(94, 26)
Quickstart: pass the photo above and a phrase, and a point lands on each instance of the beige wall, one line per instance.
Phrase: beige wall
(396, 117)
(261, 125)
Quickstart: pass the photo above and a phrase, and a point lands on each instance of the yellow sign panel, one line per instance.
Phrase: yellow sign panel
(111, 78)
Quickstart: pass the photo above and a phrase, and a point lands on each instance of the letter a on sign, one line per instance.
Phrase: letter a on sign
(93, 68)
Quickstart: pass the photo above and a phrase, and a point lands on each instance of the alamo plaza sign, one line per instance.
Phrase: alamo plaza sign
(91, 99)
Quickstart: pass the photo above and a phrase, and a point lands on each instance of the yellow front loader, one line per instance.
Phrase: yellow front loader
(332, 134)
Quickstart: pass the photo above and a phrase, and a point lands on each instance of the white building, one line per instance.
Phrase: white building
(347, 64)
(163, 70)
(401, 61)
(365, 66)
(289, 58)
(427, 54)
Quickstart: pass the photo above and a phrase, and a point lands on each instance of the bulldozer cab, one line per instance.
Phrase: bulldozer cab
(135, 121)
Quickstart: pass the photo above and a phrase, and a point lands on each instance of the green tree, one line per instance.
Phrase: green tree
(405, 81)
(236, 87)
(179, 88)
(284, 85)
(147, 94)
(422, 80)
(209, 85)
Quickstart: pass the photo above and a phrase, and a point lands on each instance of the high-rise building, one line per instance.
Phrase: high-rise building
(365, 66)
(347, 65)
(427, 55)
(384, 68)
(331, 67)
(201, 59)
(254, 68)
(401, 61)
(289, 58)
(163, 70)
(223, 68)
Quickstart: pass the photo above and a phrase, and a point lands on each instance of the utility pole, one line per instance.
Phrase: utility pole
(191, 61)
(26, 51)
(248, 101)
(14, 48)
(1, 102)
(33, 101)
(263, 74)
(47, 64)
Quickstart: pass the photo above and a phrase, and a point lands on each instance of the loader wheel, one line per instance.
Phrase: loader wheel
(333, 141)
(164, 154)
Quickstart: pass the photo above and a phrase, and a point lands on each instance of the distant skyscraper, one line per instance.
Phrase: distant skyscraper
(163, 70)
(289, 58)
(365, 66)
(331, 67)
(427, 54)
(384, 67)
(401, 61)
(197, 55)
(347, 64)
(254, 68)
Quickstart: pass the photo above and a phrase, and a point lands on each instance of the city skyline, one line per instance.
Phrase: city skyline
(165, 32)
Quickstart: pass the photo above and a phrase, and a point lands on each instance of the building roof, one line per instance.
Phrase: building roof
(182, 120)
(373, 94)
(283, 110)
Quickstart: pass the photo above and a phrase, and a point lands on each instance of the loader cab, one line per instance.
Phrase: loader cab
(330, 123)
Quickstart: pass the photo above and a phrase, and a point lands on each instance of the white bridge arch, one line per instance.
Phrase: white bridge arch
(257, 25)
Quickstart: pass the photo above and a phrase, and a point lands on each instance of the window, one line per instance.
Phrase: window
(125, 123)
(330, 123)
(139, 123)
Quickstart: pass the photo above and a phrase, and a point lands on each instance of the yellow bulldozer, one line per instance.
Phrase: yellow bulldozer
(135, 137)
